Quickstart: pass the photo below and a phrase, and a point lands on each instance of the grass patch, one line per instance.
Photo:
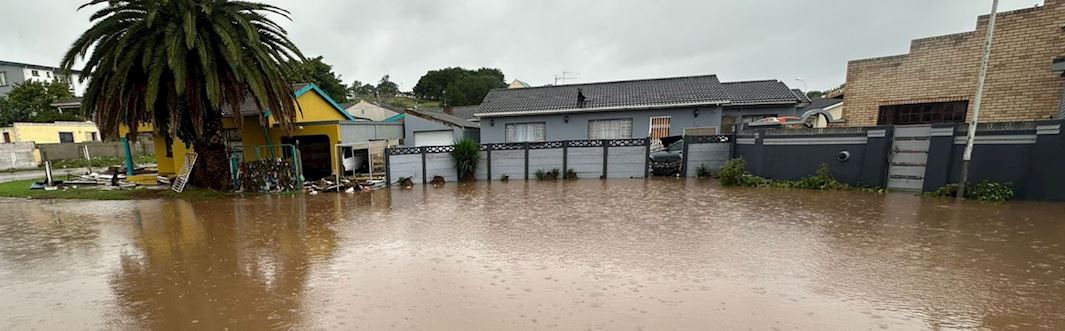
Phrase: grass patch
(21, 189)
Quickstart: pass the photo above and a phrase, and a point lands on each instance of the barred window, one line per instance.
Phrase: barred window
(923, 113)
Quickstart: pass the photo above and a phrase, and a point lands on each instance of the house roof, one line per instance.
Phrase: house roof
(821, 103)
(438, 115)
(465, 112)
(249, 107)
(67, 103)
(635, 94)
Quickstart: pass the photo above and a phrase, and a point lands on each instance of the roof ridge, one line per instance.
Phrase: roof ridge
(612, 82)
(752, 81)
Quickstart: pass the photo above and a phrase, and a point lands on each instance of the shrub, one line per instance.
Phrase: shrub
(467, 154)
(734, 173)
(504, 178)
(985, 190)
(541, 174)
(554, 174)
(570, 174)
(822, 180)
(703, 171)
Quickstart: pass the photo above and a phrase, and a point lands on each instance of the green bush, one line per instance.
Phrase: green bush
(467, 154)
(734, 173)
(570, 174)
(822, 180)
(703, 171)
(554, 174)
(985, 190)
(541, 174)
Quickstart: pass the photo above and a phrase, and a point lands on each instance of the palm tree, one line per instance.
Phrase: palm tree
(175, 63)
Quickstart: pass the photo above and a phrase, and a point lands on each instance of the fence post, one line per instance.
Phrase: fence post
(488, 163)
(647, 158)
(565, 156)
(606, 153)
(684, 158)
(526, 160)
(424, 180)
(388, 166)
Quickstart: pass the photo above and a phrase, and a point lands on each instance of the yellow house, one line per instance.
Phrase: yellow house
(50, 133)
(319, 129)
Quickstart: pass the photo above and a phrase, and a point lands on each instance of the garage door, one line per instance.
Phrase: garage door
(433, 138)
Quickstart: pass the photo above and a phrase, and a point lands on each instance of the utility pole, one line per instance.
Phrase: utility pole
(971, 137)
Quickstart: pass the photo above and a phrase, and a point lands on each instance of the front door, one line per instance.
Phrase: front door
(659, 127)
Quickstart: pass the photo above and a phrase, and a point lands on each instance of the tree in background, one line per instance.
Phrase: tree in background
(456, 86)
(814, 94)
(320, 73)
(176, 63)
(358, 90)
(386, 88)
(31, 101)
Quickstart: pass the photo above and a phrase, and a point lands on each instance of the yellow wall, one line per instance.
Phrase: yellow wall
(48, 133)
(315, 109)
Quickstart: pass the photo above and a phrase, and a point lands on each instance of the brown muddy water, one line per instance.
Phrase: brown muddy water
(579, 255)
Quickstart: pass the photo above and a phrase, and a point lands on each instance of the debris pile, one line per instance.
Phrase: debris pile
(346, 184)
(268, 176)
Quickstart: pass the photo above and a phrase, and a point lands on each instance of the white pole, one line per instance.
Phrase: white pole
(971, 136)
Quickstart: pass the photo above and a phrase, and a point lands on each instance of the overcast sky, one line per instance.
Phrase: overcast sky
(599, 40)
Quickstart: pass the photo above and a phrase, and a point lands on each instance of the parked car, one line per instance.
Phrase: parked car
(667, 162)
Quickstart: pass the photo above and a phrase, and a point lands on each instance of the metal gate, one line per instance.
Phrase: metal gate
(909, 156)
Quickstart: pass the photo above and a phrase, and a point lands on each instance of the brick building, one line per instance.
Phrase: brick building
(936, 81)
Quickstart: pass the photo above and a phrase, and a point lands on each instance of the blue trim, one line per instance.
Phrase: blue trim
(396, 118)
(315, 88)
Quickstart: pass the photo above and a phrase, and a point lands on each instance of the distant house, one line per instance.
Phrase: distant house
(643, 108)
(372, 111)
(824, 111)
(434, 127)
(518, 84)
(50, 133)
(14, 73)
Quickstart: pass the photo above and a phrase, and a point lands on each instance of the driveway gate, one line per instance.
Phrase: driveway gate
(909, 156)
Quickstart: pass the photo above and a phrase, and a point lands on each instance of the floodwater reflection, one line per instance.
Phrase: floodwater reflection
(661, 254)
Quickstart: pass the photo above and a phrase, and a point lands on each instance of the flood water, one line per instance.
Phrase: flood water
(589, 254)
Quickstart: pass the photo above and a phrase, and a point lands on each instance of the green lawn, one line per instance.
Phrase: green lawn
(101, 162)
(21, 189)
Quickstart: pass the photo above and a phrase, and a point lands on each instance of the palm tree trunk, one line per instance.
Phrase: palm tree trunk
(212, 163)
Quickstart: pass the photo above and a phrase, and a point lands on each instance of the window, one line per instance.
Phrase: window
(923, 113)
(95, 136)
(34, 73)
(659, 127)
(66, 137)
(7, 137)
(526, 132)
(3, 78)
(48, 74)
(610, 129)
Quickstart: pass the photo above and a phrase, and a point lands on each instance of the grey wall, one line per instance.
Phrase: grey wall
(17, 156)
(712, 156)
(15, 75)
(412, 124)
(359, 132)
(788, 155)
(577, 126)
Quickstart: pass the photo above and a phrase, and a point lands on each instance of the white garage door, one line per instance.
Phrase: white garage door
(433, 138)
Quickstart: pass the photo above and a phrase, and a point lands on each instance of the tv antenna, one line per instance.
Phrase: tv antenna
(565, 76)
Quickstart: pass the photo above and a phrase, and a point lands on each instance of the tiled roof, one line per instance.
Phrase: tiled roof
(250, 107)
(621, 95)
(821, 103)
(465, 112)
(440, 116)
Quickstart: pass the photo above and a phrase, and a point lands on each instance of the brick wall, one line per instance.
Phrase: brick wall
(1020, 83)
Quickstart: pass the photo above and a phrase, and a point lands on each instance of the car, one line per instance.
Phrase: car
(667, 162)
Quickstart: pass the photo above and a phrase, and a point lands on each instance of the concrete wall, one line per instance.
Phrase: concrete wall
(53, 152)
(1020, 85)
(1028, 155)
(359, 132)
(48, 133)
(711, 155)
(793, 154)
(17, 156)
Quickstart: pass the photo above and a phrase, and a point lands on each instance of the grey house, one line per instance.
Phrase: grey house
(653, 108)
(436, 128)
